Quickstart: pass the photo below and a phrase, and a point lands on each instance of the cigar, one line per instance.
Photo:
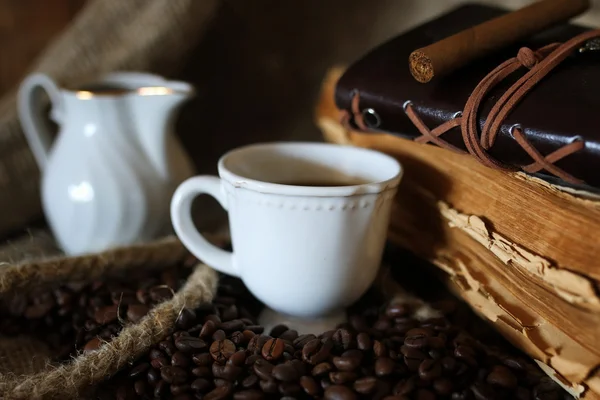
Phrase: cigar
(453, 52)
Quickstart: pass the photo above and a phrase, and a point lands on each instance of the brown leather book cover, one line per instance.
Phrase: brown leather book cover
(561, 109)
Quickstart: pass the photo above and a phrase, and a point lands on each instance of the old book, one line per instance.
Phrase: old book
(496, 237)
(560, 223)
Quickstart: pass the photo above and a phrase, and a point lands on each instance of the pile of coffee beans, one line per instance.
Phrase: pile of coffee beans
(80, 316)
(217, 351)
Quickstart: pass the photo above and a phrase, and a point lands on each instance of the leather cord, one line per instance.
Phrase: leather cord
(539, 64)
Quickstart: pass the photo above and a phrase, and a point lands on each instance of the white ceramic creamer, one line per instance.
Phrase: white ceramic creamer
(108, 176)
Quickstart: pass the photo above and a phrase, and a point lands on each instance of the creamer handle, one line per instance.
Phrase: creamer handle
(29, 108)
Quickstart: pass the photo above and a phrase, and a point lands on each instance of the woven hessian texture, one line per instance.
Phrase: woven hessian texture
(25, 371)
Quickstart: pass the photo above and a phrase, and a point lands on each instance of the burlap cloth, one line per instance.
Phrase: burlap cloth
(107, 35)
(25, 370)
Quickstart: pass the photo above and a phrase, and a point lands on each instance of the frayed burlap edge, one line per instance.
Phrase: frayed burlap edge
(29, 275)
(69, 380)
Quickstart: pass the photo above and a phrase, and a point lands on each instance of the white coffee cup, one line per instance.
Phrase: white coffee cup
(305, 251)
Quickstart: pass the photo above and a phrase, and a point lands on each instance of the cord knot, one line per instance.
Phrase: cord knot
(527, 57)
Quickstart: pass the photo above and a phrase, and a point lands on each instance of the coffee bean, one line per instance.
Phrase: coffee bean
(230, 313)
(238, 358)
(208, 329)
(179, 359)
(201, 385)
(310, 386)
(289, 336)
(189, 344)
(227, 372)
(153, 376)
(436, 342)
(302, 340)
(233, 325)
(363, 341)
(416, 341)
(347, 363)
(249, 381)
(142, 296)
(185, 319)
(379, 349)
(263, 369)
(218, 393)
(502, 376)
(395, 310)
(289, 389)
(105, 315)
(140, 387)
(365, 385)
(443, 386)
(202, 372)
(322, 369)
(382, 324)
(466, 354)
(250, 360)
(222, 350)
(175, 375)
(251, 394)
(342, 338)
(424, 394)
(35, 311)
(238, 338)
(178, 390)
(412, 357)
(384, 366)
(92, 345)
(269, 385)
(547, 389)
(184, 396)
(135, 312)
(139, 370)
(522, 394)
(340, 378)
(168, 347)
(339, 392)
(316, 351)
(219, 335)
(278, 330)
(159, 362)
(219, 382)
(430, 370)
(160, 293)
(285, 372)
(273, 349)
(161, 389)
(257, 329)
(155, 353)
(405, 386)
(253, 344)
(202, 359)
(482, 391)
(214, 318)
(515, 363)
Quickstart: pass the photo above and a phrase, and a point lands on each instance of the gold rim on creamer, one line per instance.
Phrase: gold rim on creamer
(142, 91)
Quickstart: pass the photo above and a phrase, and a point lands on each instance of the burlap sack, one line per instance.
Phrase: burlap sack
(107, 35)
(25, 372)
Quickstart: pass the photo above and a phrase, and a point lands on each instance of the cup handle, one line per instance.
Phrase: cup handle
(30, 113)
(181, 210)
